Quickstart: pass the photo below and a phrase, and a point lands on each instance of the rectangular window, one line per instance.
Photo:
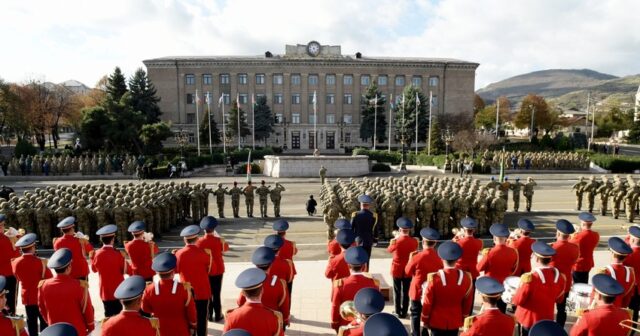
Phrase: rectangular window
(226, 98)
(347, 137)
(295, 118)
(224, 79)
(190, 99)
(295, 79)
(347, 118)
(331, 99)
(207, 79)
(242, 79)
(433, 81)
(278, 79)
(347, 99)
(416, 81)
(259, 95)
(347, 80)
(192, 137)
(434, 101)
(191, 118)
(331, 118)
(243, 98)
(190, 79)
(330, 80)
(278, 118)
(259, 79)
(313, 79)
(365, 80)
(295, 98)
(277, 98)
(312, 118)
(382, 80)
(399, 80)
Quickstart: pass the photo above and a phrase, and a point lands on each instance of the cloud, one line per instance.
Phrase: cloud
(86, 39)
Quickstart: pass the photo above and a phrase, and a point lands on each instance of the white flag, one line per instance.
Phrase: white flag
(207, 98)
(314, 97)
(417, 99)
(221, 99)
(197, 98)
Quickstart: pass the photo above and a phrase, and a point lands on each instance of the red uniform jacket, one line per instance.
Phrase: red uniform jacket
(419, 266)
(111, 268)
(174, 308)
(602, 320)
(345, 290)
(337, 267)
(401, 248)
(566, 255)
(499, 262)
(275, 296)
(354, 328)
(288, 249)
(65, 299)
(283, 268)
(447, 299)
(29, 270)
(523, 246)
(129, 323)
(11, 326)
(537, 295)
(216, 247)
(587, 240)
(7, 252)
(633, 261)
(80, 249)
(333, 248)
(193, 266)
(490, 322)
(254, 318)
(141, 254)
(470, 249)
(627, 278)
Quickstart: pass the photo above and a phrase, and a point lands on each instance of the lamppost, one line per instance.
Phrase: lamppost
(182, 138)
(341, 124)
(284, 127)
(403, 141)
(448, 138)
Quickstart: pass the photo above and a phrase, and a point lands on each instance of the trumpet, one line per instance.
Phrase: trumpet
(395, 233)
(515, 234)
(348, 311)
(458, 233)
(630, 324)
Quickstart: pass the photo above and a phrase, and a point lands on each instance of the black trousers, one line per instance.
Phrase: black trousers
(416, 311)
(367, 248)
(112, 308)
(561, 315)
(11, 287)
(473, 297)
(580, 277)
(215, 306)
(440, 332)
(290, 289)
(202, 308)
(33, 319)
(523, 331)
(401, 295)
(635, 306)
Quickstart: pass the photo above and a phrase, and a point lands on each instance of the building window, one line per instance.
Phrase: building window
(207, 79)
(295, 79)
(278, 79)
(331, 99)
(277, 98)
(295, 118)
(191, 118)
(259, 79)
(243, 98)
(259, 95)
(416, 81)
(224, 79)
(330, 80)
(347, 137)
(190, 98)
(226, 98)
(433, 81)
(313, 79)
(312, 118)
(347, 80)
(190, 79)
(434, 101)
(382, 80)
(295, 98)
(365, 80)
(347, 118)
(347, 99)
(242, 79)
(191, 137)
(278, 118)
(399, 80)
(331, 118)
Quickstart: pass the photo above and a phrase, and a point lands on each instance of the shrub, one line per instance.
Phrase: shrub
(380, 167)
(618, 163)
(242, 168)
(393, 158)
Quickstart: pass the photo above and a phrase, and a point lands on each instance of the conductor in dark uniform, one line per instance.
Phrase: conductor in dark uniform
(363, 223)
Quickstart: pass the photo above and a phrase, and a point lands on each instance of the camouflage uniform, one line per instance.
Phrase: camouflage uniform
(235, 193)
(45, 226)
(263, 193)
(331, 213)
(248, 192)
(579, 188)
(528, 192)
(516, 187)
(121, 215)
(276, 197)
(443, 210)
(219, 194)
(604, 190)
(592, 189)
(389, 207)
(83, 218)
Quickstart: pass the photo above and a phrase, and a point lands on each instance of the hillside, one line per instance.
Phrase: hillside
(619, 91)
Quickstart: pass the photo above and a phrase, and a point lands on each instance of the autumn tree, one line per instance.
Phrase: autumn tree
(543, 116)
(612, 120)
(478, 104)
(486, 117)
(372, 107)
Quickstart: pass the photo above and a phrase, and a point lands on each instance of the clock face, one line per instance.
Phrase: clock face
(313, 48)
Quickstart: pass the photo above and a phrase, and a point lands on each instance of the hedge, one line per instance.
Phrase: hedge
(242, 169)
(393, 158)
(618, 163)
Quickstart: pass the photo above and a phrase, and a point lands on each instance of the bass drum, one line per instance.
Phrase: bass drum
(579, 297)
(511, 284)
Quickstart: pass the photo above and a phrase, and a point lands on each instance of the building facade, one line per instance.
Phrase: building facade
(289, 82)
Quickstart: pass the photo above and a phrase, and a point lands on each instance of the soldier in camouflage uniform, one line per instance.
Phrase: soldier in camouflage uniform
(516, 187)
(480, 213)
(204, 192)
(631, 202)
(25, 217)
(45, 226)
(389, 210)
(528, 192)
(219, 194)
(235, 193)
(138, 213)
(618, 192)
(122, 218)
(263, 193)
(579, 188)
(11, 217)
(499, 207)
(83, 218)
(331, 212)
(604, 191)
(443, 210)
(461, 207)
(426, 204)
(195, 205)
(276, 197)
(592, 189)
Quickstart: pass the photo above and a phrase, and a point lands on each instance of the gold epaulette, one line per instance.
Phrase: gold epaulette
(526, 278)
(485, 251)
(353, 214)
(104, 320)
(53, 242)
(17, 323)
(123, 253)
(367, 275)
(413, 254)
(337, 283)
(84, 284)
(92, 253)
(468, 322)
(602, 271)
(431, 276)
(207, 251)
(392, 241)
(628, 311)
(228, 312)
(376, 282)
(280, 321)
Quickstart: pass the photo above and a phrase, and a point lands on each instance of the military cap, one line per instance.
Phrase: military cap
(356, 255)
(107, 230)
(60, 329)
(489, 286)
(208, 223)
(237, 332)
(27, 240)
(365, 199)
(67, 222)
(526, 224)
(618, 246)
(131, 288)
(429, 234)
(587, 217)
(469, 223)
(250, 278)
(404, 223)
(164, 262)
(60, 259)
(449, 251)
(263, 256)
(384, 324)
(634, 230)
(342, 224)
(280, 225)
(190, 231)
(547, 328)
(273, 241)
(369, 301)
(345, 237)
(543, 250)
(499, 230)
(606, 285)
(136, 226)
(3, 284)
(3, 217)
(565, 226)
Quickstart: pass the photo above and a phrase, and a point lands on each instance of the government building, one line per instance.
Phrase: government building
(289, 81)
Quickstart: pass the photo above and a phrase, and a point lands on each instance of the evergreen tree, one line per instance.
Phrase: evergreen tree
(437, 143)
(368, 108)
(94, 127)
(125, 126)
(152, 136)
(116, 85)
(232, 122)
(406, 122)
(263, 119)
(143, 96)
(204, 131)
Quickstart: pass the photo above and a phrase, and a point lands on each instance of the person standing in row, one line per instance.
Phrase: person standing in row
(130, 321)
(333, 246)
(522, 243)
(235, 193)
(288, 249)
(9, 325)
(79, 247)
(567, 254)
(633, 261)
(140, 251)
(249, 192)
(111, 268)
(471, 247)
(587, 240)
(363, 223)
(214, 246)
(490, 321)
(625, 275)
(263, 193)
(401, 248)
(337, 267)
(274, 290)
(7, 252)
(219, 194)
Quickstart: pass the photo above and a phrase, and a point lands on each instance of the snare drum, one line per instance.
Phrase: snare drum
(511, 284)
(579, 297)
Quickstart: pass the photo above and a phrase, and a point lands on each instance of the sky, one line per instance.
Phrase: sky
(85, 39)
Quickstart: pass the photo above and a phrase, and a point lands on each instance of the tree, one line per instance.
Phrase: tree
(373, 115)
(437, 143)
(204, 131)
(544, 117)
(478, 104)
(614, 120)
(486, 117)
(116, 85)
(263, 119)
(152, 136)
(9, 109)
(232, 122)
(65, 108)
(634, 133)
(125, 124)
(94, 127)
(143, 96)
(406, 122)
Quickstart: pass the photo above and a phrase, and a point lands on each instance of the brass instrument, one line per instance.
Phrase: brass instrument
(631, 325)
(458, 233)
(515, 234)
(348, 311)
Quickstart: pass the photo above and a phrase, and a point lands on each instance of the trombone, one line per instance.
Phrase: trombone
(631, 325)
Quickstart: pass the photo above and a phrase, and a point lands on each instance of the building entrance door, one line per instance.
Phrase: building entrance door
(331, 140)
(312, 140)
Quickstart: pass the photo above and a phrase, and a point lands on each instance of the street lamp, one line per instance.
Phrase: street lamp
(182, 139)
(341, 124)
(448, 139)
(284, 126)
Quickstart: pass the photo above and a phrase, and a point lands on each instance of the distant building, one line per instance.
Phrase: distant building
(75, 86)
(289, 81)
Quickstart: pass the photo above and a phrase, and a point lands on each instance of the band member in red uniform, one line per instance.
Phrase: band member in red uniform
(170, 300)
(471, 247)
(63, 298)
(587, 240)
(401, 248)
(111, 267)
(633, 260)
(9, 325)
(606, 317)
(490, 321)
(547, 328)
(288, 249)
(337, 267)
(140, 251)
(130, 321)
(253, 316)
(333, 247)
(625, 275)
(566, 255)
(500, 261)
(214, 246)
(194, 267)
(384, 324)
(345, 289)
(281, 267)
(8, 252)
(539, 290)
(368, 301)
(419, 266)
(30, 270)
(448, 293)
(521, 241)
(80, 248)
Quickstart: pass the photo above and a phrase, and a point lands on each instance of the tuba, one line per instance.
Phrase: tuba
(348, 311)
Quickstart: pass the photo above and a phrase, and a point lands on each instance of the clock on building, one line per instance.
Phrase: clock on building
(313, 48)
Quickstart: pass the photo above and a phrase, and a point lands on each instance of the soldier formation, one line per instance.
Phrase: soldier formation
(621, 194)
(64, 165)
(536, 160)
(264, 193)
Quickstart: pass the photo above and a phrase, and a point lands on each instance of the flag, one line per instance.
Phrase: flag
(249, 167)
(207, 98)
(197, 98)
(417, 100)
(501, 178)
(221, 100)
(238, 100)
(314, 98)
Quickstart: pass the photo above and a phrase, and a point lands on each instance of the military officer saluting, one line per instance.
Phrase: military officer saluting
(130, 321)
(401, 248)
(625, 275)
(9, 325)
(333, 246)
(214, 246)
(111, 268)
(522, 242)
(140, 251)
(587, 240)
(364, 222)
(368, 301)
(79, 247)
(606, 317)
(490, 321)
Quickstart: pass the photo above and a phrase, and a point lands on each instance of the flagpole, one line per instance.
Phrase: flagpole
(198, 121)
(375, 123)
(315, 121)
(224, 130)
(209, 113)
(390, 110)
(429, 137)
(238, 106)
(403, 120)
(253, 120)
(497, 117)
(417, 103)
